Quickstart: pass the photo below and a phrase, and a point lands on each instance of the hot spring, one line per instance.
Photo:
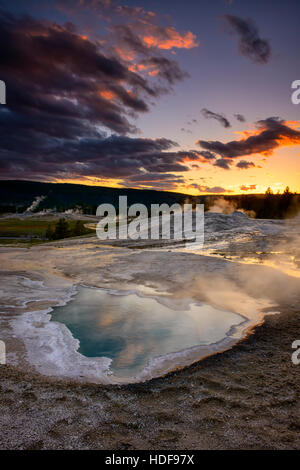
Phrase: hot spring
(134, 330)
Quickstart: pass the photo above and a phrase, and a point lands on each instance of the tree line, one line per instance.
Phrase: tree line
(64, 229)
(273, 205)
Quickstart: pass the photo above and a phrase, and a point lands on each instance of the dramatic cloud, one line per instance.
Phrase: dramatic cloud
(67, 78)
(250, 44)
(128, 44)
(240, 117)
(244, 165)
(142, 27)
(141, 36)
(247, 188)
(122, 158)
(132, 161)
(270, 134)
(139, 42)
(65, 95)
(218, 117)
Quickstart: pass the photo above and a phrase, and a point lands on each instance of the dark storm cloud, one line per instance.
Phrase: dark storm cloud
(69, 75)
(250, 43)
(115, 156)
(240, 117)
(218, 117)
(244, 165)
(119, 157)
(63, 91)
(270, 134)
(51, 72)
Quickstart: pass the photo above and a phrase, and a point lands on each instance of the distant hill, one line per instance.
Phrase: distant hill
(19, 195)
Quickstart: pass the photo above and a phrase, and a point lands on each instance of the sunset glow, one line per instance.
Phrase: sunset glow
(138, 98)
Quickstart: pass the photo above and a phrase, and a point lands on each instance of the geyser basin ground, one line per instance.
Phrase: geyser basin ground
(136, 331)
(225, 401)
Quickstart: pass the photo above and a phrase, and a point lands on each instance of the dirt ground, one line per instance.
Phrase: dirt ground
(245, 398)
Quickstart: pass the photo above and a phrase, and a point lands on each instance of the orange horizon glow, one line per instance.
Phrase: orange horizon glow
(260, 189)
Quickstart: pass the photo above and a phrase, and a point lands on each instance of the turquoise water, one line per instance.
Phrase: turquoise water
(131, 329)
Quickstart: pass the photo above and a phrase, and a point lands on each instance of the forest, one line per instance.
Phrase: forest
(16, 196)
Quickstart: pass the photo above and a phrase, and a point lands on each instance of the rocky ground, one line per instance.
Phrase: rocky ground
(245, 398)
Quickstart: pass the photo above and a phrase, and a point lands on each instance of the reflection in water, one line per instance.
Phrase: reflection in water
(131, 329)
(285, 263)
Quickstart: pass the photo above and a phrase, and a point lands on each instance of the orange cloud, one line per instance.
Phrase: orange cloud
(251, 187)
(107, 94)
(170, 39)
(144, 68)
(293, 124)
(137, 67)
(257, 131)
(125, 54)
(270, 134)
(153, 72)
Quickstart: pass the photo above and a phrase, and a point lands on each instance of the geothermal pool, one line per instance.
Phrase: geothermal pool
(132, 330)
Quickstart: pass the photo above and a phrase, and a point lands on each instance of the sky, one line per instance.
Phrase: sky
(186, 96)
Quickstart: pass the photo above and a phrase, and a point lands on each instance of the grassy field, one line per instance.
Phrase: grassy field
(33, 228)
(22, 228)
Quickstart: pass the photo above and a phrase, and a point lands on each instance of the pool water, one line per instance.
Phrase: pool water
(131, 329)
